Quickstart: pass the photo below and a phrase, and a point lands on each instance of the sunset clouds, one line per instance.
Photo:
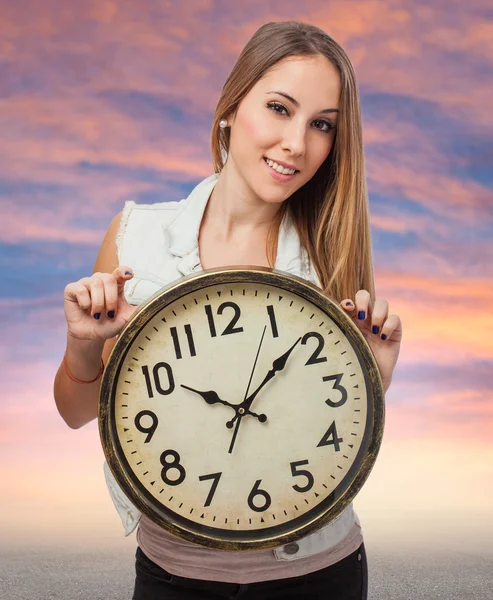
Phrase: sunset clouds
(101, 102)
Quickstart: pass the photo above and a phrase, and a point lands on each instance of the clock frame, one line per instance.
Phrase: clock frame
(266, 537)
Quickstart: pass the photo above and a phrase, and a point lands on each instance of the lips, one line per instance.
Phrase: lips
(282, 164)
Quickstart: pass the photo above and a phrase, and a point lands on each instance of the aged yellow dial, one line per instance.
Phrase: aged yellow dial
(241, 408)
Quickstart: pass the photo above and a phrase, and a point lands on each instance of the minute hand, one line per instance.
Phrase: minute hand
(277, 365)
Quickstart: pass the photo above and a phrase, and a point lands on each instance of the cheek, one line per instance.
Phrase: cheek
(321, 152)
(251, 127)
(253, 131)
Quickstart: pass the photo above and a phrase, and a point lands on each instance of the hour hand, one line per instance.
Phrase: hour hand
(210, 396)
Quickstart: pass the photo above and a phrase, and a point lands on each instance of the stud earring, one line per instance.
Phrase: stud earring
(223, 123)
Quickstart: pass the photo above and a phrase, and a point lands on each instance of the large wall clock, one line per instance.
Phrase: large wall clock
(241, 408)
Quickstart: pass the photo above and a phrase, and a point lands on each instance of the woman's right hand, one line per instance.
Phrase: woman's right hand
(101, 294)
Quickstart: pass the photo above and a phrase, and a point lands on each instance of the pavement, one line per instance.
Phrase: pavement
(398, 574)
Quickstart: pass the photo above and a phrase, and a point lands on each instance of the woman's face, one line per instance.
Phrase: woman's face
(298, 131)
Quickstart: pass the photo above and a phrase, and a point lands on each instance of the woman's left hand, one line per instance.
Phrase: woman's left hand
(385, 351)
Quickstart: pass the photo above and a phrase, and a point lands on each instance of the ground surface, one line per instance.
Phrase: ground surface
(108, 575)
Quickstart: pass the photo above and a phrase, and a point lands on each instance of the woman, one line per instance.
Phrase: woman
(288, 192)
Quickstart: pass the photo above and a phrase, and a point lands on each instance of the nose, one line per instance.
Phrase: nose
(294, 138)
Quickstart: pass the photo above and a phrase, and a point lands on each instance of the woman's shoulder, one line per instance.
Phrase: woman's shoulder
(169, 209)
(157, 208)
(148, 215)
(137, 217)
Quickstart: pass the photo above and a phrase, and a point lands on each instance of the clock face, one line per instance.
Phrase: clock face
(240, 411)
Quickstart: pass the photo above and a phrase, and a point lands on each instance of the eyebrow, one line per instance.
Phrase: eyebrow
(296, 103)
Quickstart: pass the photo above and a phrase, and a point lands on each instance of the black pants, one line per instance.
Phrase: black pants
(345, 580)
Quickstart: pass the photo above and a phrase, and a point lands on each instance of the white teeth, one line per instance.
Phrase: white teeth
(278, 168)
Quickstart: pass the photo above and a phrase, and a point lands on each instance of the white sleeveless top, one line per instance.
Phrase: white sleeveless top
(160, 243)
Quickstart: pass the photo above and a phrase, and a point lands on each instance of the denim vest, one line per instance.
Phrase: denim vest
(159, 242)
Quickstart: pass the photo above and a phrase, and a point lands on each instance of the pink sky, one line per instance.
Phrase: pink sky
(106, 101)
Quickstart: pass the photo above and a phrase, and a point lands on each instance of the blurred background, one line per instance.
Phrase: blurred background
(105, 101)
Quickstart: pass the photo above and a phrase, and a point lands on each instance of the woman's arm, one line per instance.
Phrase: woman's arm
(77, 403)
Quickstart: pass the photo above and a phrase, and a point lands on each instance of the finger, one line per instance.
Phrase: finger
(392, 328)
(361, 309)
(83, 297)
(97, 296)
(122, 274)
(347, 305)
(111, 295)
(379, 315)
(72, 289)
(364, 307)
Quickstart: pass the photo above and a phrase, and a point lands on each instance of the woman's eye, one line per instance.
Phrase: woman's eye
(275, 105)
(323, 126)
(327, 126)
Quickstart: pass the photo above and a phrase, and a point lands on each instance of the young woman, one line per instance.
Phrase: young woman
(288, 192)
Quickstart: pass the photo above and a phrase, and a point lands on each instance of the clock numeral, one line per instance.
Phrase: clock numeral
(330, 438)
(231, 326)
(157, 379)
(176, 341)
(174, 464)
(315, 357)
(273, 323)
(295, 472)
(337, 378)
(256, 491)
(149, 430)
(215, 477)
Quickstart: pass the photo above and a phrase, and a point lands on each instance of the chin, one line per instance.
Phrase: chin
(274, 196)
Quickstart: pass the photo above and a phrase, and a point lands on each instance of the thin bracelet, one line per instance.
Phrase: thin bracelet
(79, 380)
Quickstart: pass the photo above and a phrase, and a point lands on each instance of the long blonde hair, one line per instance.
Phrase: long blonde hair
(330, 212)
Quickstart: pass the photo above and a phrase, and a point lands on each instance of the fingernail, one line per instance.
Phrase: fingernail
(375, 329)
(361, 315)
(383, 336)
(111, 314)
(97, 315)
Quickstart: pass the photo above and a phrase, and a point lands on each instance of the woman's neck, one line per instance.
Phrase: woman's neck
(234, 210)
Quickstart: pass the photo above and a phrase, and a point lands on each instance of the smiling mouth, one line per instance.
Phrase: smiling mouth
(266, 158)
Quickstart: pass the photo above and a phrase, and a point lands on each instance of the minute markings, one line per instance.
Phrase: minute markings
(192, 307)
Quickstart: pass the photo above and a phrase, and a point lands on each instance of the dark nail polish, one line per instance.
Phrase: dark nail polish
(383, 336)
(97, 315)
(128, 273)
(361, 315)
(349, 303)
(375, 328)
(111, 314)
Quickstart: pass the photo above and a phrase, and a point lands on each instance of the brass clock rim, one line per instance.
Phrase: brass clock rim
(267, 276)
